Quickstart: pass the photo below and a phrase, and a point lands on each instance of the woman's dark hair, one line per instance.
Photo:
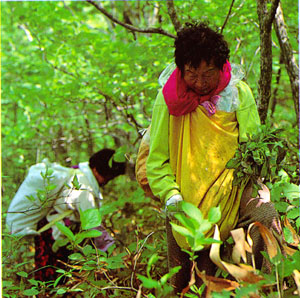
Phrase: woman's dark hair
(197, 42)
(100, 161)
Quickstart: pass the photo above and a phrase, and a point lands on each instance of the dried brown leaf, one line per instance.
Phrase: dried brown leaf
(297, 279)
(240, 273)
(269, 239)
(296, 238)
(289, 251)
(214, 253)
(191, 282)
(216, 284)
(239, 250)
(249, 239)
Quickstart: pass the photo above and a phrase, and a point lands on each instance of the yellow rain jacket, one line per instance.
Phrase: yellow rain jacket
(188, 155)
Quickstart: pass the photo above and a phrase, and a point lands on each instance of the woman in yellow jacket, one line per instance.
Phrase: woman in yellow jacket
(201, 114)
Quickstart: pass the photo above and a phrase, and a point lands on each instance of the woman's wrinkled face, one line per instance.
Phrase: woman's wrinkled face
(204, 79)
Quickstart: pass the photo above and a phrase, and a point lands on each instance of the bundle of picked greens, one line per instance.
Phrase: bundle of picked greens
(260, 158)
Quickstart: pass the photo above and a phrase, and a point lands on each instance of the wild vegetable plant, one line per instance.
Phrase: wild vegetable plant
(261, 157)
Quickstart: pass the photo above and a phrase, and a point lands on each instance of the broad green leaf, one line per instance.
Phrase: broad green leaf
(281, 206)
(23, 274)
(51, 187)
(86, 234)
(76, 256)
(120, 154)
(189, 223)
(65, 231)
(214, 214)
(87, 250)
(192, 211)
(87, 267)
(294, 213)
(181, 230)
(90, 218)
(288, 236)
(205, 226)
(61, 291)
(31, 292)
(33, 282)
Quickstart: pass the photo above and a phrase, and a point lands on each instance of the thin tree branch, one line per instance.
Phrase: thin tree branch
(129, 117)
(138, 254)
(173, 15)
(272, 13)
(227, 17)
(130, 27)
(287, 55)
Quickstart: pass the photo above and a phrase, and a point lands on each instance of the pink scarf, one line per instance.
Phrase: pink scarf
(182, 100)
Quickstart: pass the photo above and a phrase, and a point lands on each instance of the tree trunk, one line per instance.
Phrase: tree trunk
(287, 54)
(266, 18)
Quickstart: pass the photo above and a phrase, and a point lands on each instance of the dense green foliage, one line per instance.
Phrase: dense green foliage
(74, 82)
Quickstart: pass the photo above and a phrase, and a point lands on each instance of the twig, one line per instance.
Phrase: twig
(173, 15)
(130, 27)
(227, 17)
(104, 288)
(138, 254)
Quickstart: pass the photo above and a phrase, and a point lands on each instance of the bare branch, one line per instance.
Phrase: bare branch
(287, 55)
(128, 116)
(227, 17)
(173, 15)
(272, 13)
(130, 27)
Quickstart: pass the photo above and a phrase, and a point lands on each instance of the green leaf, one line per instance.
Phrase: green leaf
(33, 282)
(168, 275)
(148, 283)
(30, 198)
(22, 273)
(205, 226)
(293, 213)
(76, 256)
(232, 164)
(51, 187)
(90, 218)
(61, 291)
(86, 234)
(214, 214)
(120, 154)
(57, 280)
(30, 292)
(281, 206)
(88, 250)
(192, 211)
(66, 231)
(181, 230)
(60, 243)
(153, 259)
(288, 236)
(76, 183)
(189, 223)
